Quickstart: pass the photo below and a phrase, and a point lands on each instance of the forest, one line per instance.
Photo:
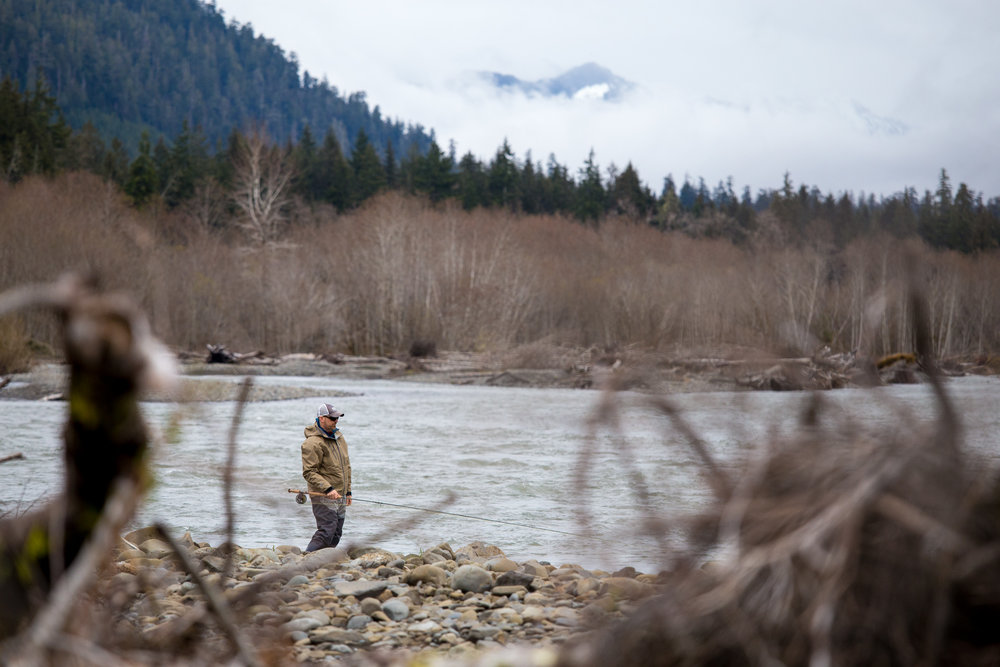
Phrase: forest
(128, 67)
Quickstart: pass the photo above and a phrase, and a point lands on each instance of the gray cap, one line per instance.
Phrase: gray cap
(327, 410)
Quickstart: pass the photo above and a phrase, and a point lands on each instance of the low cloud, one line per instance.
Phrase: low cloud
(845, 96)
(834, 145)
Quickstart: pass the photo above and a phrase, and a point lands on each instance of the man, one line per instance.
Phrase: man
(327, 468)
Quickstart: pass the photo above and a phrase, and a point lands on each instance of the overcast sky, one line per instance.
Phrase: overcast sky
(858, 95)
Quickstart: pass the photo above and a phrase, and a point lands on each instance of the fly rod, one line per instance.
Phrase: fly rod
(300, 498)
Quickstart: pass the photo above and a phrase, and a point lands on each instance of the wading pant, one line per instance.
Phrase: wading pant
(329, 525)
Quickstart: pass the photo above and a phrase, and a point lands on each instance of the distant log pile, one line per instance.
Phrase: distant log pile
(825, 370)
(820, 371)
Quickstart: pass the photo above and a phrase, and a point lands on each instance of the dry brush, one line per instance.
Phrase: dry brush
(374, 280)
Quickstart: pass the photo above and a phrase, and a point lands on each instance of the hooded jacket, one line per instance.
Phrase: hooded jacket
(325, 462)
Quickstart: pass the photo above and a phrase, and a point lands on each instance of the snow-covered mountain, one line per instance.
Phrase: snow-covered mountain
(588, 81)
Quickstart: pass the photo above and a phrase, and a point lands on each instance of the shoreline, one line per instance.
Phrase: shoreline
(46, 381)
(751, 371)
(354, 602)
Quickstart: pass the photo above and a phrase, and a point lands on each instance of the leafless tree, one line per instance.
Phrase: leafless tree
(261, 189)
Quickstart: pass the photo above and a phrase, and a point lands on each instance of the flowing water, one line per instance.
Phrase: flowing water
(507, 454)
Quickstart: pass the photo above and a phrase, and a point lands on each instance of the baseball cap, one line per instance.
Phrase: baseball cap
(327, 410)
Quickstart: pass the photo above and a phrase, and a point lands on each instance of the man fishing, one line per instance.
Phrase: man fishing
(326, 467)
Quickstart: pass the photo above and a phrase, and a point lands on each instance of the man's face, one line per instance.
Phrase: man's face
(328, 423)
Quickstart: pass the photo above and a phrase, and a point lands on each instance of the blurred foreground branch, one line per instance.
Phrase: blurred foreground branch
(112, 357)
(834, 546)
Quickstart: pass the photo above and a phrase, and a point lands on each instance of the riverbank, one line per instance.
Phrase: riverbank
(726, 370)
(365, 605)
(47, 380)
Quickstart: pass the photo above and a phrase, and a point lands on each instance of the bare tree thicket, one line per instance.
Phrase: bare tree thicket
(397, 270)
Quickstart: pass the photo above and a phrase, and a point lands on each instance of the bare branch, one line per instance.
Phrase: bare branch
(227, 475)
(215, 601)
(48, 625)
(721, 484)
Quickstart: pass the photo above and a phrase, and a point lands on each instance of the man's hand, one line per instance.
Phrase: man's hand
(333, 494)
(348, 500)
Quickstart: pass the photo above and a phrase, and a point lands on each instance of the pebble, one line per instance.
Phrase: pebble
(396, 609)
(445, 602)
(359, 622)
(298, 580)
(359, 589)
(472, 578)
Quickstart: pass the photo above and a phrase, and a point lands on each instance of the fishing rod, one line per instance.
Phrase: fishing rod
(300, 498)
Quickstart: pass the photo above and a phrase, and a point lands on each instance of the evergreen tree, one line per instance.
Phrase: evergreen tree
(391, 168)
(47, 131)
(670, 202)
(11, 113)
(224, 167)
(629, 196)
(142, 178)
(590, 195)
(33, 134)
(744, 211)
(702, 199)
(943, 194)
(687, 196)
(962, 221)
(560, 190)
(843, 221)
(927, 222)
(306, 183)
(433, 174)
(335, 178)
(115, 167)
(369, 175)
(161, 158)
(504, 178)
(986, 232)
(472, 183)
(188, 165)
(532, 188)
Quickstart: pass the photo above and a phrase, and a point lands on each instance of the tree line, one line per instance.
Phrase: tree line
(187, 173)
(534, 290)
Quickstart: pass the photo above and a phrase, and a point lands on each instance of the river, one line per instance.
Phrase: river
(506, 454)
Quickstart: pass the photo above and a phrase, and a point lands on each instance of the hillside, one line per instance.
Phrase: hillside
(147, 65)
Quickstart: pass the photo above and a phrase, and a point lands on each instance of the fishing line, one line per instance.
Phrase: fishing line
(463, 516)
(469, 516)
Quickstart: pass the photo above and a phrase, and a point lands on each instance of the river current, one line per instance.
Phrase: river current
(511, 455)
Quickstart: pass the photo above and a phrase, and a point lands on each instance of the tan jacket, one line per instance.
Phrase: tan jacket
(325, 461)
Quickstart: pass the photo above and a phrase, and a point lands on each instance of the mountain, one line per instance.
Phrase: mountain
(129, 66)
(588, 81)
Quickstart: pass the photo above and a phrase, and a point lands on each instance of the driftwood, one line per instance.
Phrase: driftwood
(218, 354)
